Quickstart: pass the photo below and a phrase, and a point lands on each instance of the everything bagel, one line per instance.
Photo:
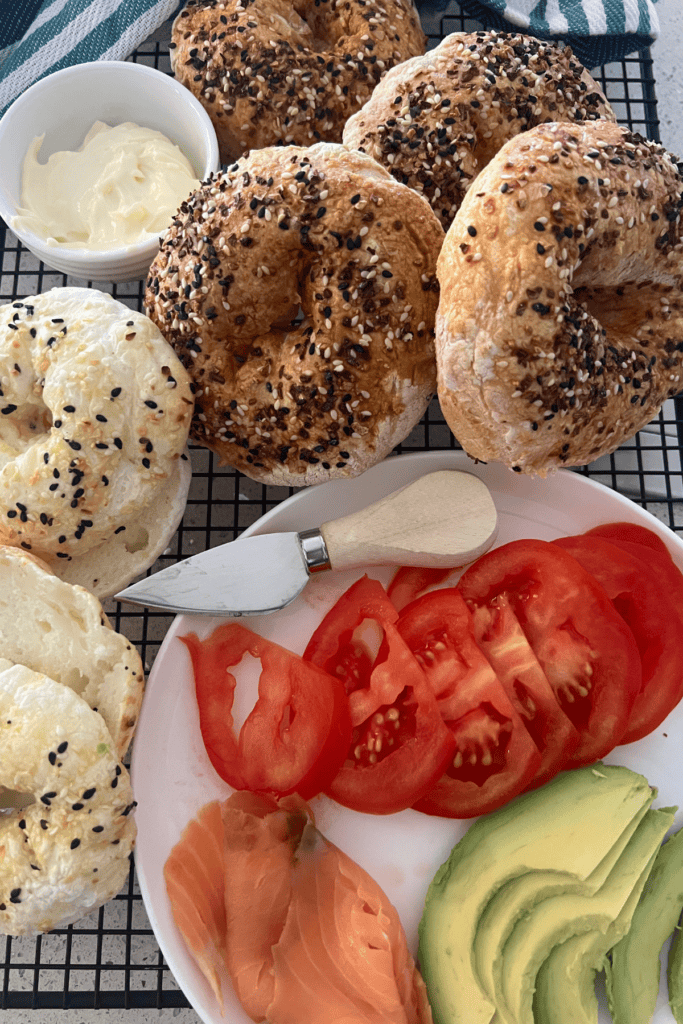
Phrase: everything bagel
(66, 853)
(95, 411)
(273, 72)
(436, 120)
(329, 231)
(560, 324)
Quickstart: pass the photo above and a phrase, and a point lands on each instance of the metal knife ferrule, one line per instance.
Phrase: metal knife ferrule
(314, 551)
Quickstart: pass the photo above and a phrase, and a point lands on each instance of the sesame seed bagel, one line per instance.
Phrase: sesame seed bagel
(53, 627)
(96, 410)
(273, 72)
(66, 853)
(437, 119)
(288, 402)
(560, 324)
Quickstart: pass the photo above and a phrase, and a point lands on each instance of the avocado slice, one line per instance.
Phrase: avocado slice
(633, 970)
(560, 917)
(674, 975)
(516, 898)
(571, 823)
(565, 983)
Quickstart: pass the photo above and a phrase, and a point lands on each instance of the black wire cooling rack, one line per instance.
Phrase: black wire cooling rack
(111, 959)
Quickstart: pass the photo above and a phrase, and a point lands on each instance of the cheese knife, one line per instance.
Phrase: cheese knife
(442, 520)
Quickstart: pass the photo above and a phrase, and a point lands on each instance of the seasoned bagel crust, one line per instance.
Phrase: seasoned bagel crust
(95, 416)
(560, 325)
(273, 72)
(437, 119)
(328, 230)
(67, 852)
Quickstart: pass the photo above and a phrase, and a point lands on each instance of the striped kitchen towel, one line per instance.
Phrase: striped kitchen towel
(599, 31)
(38, 37)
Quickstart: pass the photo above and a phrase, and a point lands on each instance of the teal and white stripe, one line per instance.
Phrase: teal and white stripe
(66, 32)
(580, 17)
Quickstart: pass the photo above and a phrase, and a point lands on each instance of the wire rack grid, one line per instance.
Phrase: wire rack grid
(111, 959)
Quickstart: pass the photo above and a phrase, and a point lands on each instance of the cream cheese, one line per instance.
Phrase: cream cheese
(121, 187)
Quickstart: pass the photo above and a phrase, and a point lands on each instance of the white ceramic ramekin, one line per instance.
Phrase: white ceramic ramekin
(63, 107)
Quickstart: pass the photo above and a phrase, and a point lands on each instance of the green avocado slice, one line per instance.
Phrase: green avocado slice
(633, 969)
(565, 983)
(674, 976)
(561, 917)
(571, 824)
(518, 897)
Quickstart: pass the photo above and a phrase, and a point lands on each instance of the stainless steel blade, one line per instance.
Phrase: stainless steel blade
(249, 576)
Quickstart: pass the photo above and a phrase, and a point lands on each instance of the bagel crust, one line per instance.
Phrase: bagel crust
(67, 852)
(436, 120)
(273, 72)
(288, 402)
(96, 410)
(560, 324)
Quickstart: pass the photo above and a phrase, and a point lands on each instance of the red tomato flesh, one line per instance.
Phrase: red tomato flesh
(643, 543)
(410, 581)
(585, 648)
(297, 734)
(399, 745)
(501, 637)
(495, 757)
(636, 592)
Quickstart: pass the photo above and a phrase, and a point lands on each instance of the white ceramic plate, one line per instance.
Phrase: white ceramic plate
(173, 778)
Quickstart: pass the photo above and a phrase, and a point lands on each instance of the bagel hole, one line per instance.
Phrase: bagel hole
(313, 25)
(622, 309)
(137, 539)
(12, 800)
(75, 680)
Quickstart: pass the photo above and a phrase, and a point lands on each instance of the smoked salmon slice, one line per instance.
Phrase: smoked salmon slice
(194, 874)
(303, 931)
(342, 955)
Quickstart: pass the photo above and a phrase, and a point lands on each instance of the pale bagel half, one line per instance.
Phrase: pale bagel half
(60, 630)
(66, 852)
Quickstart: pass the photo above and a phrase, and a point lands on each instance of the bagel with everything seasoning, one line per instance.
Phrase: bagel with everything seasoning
(277, 72)
(95, 414)
(560, 324)
(66, 852)
(298, 402)
(436, 120)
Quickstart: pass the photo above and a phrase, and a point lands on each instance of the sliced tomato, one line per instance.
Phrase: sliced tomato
(297, 734)
(633, 586)
(499, 634)
(495, 756)
(584, 646)
(644, 543)
(410, 581)
(631, 533)
(400, 744)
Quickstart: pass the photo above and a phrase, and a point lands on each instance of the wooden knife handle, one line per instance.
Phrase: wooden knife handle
(444, 519)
